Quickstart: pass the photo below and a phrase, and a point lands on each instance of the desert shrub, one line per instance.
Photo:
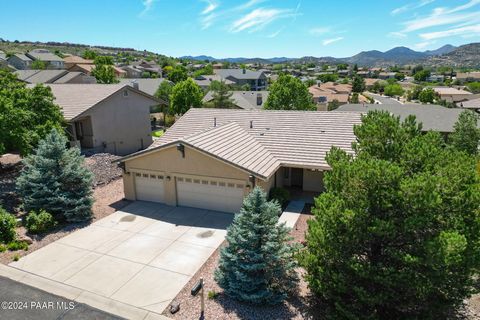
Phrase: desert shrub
(7, 226)
(17, 245)
(39, 222)
(281, 195)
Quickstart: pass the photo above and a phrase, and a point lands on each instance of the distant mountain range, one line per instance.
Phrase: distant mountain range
(395, 56)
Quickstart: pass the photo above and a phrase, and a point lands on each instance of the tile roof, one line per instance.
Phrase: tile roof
(289, 138)
(43, 56)
(77, 60)
(23, 57)
(69, 76)
(450, 91)
(244, 99)
(238, 73)
(146, 85)
(470, 104)
(432, 117)
(40, 76)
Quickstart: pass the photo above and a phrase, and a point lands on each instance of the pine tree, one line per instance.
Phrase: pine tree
(258, 265)
(55, 179)
(221, 96)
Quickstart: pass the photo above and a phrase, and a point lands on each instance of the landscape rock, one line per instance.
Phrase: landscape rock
(103, 169)
(174, 306)
(25, 238)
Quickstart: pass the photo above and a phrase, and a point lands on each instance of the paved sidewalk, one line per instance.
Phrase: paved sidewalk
(292, 212)
(41, 305)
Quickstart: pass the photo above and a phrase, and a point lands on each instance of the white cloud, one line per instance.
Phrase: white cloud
(319, 31)
(423, 45)
(211, 5)
(147, 6)
(326, 42)
(259, 18)
(444, 16)
(249, 4)
(462, 31)
(398, 35)
(411, 6)
(276, 33)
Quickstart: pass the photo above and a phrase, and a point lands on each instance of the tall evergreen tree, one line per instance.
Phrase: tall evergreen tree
(221, 96)
(56, 180)
(258, 265)
(396, 235)
(466, 136)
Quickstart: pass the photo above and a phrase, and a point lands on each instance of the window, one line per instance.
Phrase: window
(125, 93)
(213, 183)
(188, 180)
(138, 174)
(221, 184)
(145, 175)
(204, 182)
(231, 185)
(240, 186)
(179, 179)
(153, 176)
(196, 181)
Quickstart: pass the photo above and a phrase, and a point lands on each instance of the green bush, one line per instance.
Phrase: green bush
(17, 245)
(281, 195)
(212, 294)
(16, 257)
(39, 223)
(7, 226)
(3, 248)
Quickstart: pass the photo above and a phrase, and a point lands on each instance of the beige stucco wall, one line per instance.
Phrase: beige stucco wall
(312, 180)
(170, 163)
(122, 123)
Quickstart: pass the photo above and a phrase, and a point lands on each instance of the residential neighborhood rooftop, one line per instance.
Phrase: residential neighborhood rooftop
(247, 100)
(268, 138)
(238, 73)
(432, 117)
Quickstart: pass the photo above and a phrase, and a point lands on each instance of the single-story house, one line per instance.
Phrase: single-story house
(204, 81)
(53, 76)
(247, 100)
(257, 80)
(452, 94)
(113, 118)
(473, 104)
(211, 158)
(87, 69)
(52, 61)
(20, 61)
(72, 60)
(432, 117)
(468, 76)
(147, 85)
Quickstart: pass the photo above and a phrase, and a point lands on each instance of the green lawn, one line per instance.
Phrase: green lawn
(157, 133)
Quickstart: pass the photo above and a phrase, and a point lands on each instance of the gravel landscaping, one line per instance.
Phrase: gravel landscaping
(108, 195)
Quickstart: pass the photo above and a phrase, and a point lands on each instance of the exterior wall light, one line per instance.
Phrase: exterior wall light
(181, 148)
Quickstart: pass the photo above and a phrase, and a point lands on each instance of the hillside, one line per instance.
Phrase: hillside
(467, 56)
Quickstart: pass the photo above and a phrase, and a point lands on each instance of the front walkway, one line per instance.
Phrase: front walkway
(131, 263)
(292, 212)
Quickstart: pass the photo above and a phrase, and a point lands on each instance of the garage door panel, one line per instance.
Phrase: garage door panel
(214, 195)
(149, 187)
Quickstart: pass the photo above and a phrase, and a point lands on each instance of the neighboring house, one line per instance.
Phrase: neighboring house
(211, 158)
(72, 60)
(113, 118)
(432, 117)
(364, 74)
(324, 93)
(369, 82)
(386, 75)
(436, 78)
(468, 76)
(87, 69)
(204, 81)
(473, 104)
(53, 76)
(132, 72)
(51, 60)
(137, 68)
(20, 61)
(147, 85)
(247, 100)
(257, 80)
(450, 94)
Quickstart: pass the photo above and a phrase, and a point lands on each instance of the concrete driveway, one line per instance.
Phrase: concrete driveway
(141, 256)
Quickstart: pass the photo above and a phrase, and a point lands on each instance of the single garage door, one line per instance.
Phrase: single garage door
(149, 187)
(209, 194)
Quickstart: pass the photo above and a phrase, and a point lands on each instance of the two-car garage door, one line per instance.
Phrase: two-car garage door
(209, 193)
(198, 192)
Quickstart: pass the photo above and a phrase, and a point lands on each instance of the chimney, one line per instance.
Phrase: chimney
(214, 122)
(135, 84)
(251, 124)
(244, 70)
(259, 99)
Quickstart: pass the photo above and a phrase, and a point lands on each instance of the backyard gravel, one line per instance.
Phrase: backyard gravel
(103, 169)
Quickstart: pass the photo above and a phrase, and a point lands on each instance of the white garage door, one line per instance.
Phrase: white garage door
(149, 187)
(208, 193)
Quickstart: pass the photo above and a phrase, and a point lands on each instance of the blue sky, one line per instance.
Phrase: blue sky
(248, 28)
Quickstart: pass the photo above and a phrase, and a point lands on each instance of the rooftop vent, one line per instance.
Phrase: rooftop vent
(251, 124)
(214, 122)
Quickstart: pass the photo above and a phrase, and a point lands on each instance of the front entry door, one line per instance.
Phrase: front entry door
(297, 177)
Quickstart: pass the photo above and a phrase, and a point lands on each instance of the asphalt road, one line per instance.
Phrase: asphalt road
(21, 302)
